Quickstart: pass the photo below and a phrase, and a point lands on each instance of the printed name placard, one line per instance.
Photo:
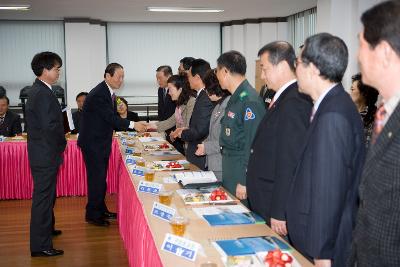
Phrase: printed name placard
(130, 160)
(180, 247)
(123, 141)
(129, 150)
(149, 187)
(138, 170)
(162, 212)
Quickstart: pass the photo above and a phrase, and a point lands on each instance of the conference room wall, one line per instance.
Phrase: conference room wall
(142, 47)
(86, 57)
(249, 38)
(19, 42)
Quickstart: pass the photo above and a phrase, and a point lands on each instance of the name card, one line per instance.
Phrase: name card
(129, 150)
(130, 160)
(180, 247)
(162, 212)
(149, 187)
(123, 141)
(2, 138)
(138, 171)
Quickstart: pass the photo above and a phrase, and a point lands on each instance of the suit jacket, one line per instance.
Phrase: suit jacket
(377, 233)
(130, 116)
(322, 202)
(99, 119)
(45, 128)
(166, 107)
(211, 144)
(11, 125)
(76, 117)
(275, 153)
(186, 110)
(198, 129)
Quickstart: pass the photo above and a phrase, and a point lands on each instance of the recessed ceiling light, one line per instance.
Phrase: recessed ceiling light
(15, 7)
(184, 9)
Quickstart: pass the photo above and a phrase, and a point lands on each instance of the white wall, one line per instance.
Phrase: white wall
(342, 18)
(85, 46)
(249, 38)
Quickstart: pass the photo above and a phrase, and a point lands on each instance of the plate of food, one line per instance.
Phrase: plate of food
(169, 165)
(196, 196)
(158, 147)
(276, 258)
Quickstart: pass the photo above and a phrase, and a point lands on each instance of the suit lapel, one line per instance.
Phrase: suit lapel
(391, 129)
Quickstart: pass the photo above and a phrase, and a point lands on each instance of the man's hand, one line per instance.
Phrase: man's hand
(140, 126)
(241, 192)
(177, 133)
(279, 227)
(200, 150)
(322, 263)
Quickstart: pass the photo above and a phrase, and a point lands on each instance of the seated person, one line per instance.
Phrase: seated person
(122, 109)
(183, 96)
(10, 122)
(76, 116)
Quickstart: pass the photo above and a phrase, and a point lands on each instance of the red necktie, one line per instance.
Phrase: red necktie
(113, 99)
(378, 123)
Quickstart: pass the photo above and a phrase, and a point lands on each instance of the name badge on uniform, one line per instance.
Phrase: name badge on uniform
(228, 131)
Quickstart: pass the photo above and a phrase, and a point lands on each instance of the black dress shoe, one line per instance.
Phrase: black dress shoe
(48, 253)
(98, 222)
(56, 232)
(109, 215)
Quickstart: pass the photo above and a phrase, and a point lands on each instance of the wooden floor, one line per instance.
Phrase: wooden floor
(83, 244)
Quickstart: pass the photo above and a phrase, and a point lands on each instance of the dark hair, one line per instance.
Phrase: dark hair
(328, 53)
(81, 94)
(124, 101)
(233, 61)
(382, 23)
(186, 62)
(6, 98)
(165, 69)
(182, 82)
(279, 51)
(369, 94)
(212, 85)
(110, 69)
(45, 60)
(200, 67)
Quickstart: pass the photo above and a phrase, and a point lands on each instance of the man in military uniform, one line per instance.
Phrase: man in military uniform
(242, 116)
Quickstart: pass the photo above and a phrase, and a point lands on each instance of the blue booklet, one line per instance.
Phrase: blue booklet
(234, 247)
(258, 244)
(229, 218)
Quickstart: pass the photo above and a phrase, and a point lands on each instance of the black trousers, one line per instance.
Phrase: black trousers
(96, 170)
(43, 200)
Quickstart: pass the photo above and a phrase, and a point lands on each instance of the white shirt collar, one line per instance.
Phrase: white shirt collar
(110, 89)
(198, 92)
(48, 85)
(390, 105)
(282, 89)
(321, 97)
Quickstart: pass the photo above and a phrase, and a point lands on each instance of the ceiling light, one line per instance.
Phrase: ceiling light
(15, 7)
(184, 9)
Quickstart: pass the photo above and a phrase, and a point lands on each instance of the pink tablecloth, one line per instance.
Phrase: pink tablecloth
(133, 226)
(16, 179)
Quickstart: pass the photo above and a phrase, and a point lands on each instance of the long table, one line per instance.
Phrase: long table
(143, 234)
(16, 179)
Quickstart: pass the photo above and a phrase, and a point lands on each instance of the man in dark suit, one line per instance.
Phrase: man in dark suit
(166, 107)
(76, 116)
(276, 147)
(200, 120)
(46, 143)
(99, 118)
(377, 233)
(322, 202)
(10, 122)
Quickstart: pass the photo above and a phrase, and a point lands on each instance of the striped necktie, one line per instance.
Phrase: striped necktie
(378, 123)
(2, 120)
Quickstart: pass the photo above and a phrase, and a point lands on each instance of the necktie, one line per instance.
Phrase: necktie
(271, 104)
(1, 120)
(113, 99)
(165, 93)
(378, 123)
(312, 114)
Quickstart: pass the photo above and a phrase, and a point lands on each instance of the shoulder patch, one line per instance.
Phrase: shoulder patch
(243, 95)
(249, 115)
